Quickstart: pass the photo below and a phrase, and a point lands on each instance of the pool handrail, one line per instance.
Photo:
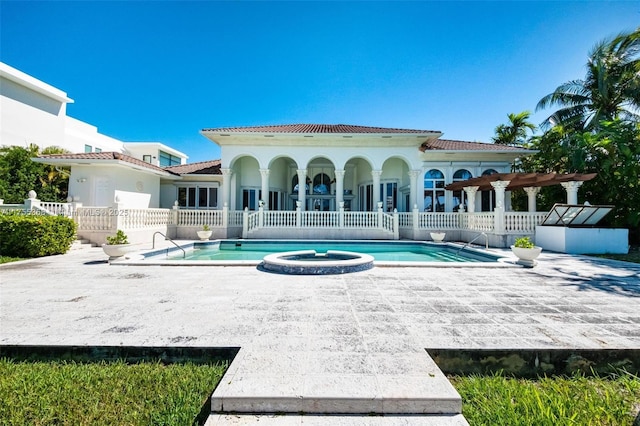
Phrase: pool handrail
(153, 245)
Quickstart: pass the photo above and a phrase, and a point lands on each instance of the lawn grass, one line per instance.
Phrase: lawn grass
(104, 393)
(7, 259)
(553, 401)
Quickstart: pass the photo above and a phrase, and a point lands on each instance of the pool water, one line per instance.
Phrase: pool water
(387, 251)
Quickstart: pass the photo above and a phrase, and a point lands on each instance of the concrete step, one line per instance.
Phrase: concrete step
(323, 420)
(336, 383)
(81, 244)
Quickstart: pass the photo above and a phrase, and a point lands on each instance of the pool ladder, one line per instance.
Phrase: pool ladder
(153, 246)
(486, 242)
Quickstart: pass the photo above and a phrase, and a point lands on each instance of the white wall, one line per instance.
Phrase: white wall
(96, 185)
(29, 117)
(77, 134)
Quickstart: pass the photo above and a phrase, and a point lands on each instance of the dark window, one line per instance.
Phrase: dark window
(167, 159)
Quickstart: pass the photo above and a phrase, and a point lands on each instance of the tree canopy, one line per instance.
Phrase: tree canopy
(609, 90)
(19, 175)
(596, 129)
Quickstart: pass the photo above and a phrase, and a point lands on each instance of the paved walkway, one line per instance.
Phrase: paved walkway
(358, 335)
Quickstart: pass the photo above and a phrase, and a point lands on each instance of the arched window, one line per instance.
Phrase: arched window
(295, 187)
(433, 191)
(488, 197)
(321, 184)
(459, 196)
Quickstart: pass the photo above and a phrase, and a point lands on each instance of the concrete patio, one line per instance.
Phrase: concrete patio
(345, 344)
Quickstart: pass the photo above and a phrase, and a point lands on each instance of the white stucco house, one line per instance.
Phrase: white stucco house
(293, 180)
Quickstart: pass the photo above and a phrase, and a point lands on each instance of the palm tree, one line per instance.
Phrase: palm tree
(610, 89)
(514, 133)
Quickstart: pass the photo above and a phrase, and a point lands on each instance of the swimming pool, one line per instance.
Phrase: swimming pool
(388, 252)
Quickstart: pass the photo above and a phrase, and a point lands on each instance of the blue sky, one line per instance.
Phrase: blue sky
(162, 71)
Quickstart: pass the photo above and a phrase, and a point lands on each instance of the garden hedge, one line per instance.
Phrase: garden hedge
(35, 235)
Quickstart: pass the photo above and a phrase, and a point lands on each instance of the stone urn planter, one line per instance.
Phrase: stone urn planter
(115, 251)
(437, 237)
(205, 233)
(526, 251)
(118, 246)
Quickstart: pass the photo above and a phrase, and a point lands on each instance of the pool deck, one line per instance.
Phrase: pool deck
(352, 343)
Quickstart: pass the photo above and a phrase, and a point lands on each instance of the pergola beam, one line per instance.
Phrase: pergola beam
(520, 180)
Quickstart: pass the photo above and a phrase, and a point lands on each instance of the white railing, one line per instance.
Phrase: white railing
(142, 218)
(481, 221)
(387, 222)
(213, 218)
(405, 220)
(280, 219)
(522, 222)
(362, 220)
(439, 221)
(235, 217)
(93, 218)
(319, 219)
(58, 209)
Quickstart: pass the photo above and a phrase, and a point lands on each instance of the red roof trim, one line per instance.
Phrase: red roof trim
(316, 129)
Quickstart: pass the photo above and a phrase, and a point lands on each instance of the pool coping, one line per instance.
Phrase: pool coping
(146, 257)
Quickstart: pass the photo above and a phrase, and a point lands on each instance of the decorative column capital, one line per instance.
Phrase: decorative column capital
(264, 172)
(413, 174)
(226, 171)
(301, 172)
(572, 185)
(376, 173)
(471, 190)
(500, 184)
(532, 191)
(339, 173)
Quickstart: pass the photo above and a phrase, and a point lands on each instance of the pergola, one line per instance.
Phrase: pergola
(530, 182)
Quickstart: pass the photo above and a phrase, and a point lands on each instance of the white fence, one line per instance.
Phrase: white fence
(522, 222)
(110, 219)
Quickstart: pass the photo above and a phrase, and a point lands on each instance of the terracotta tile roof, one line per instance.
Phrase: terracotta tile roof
(202, 168)
(315, 128)
(451, 145)
(108, 155)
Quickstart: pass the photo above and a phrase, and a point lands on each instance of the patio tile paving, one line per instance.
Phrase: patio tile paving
(358, 337)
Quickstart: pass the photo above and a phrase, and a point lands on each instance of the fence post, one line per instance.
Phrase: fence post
(396, 225)
(175, 214)
(416, 220)
(380, 223)
(261, 215)
(298, 215)
(341, 215)
(245, 222)
(31, 202)
(225, 216)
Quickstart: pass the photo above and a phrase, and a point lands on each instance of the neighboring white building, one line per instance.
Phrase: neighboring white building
(34, 112)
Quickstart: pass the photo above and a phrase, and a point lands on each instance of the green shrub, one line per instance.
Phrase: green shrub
(524, 242)
(35, 235)
(119, 238)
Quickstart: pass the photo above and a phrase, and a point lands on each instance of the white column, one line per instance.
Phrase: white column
(264, 173)
(226, 186)
(471, 197)
(572, 191)
(376, 185)
(499, 186)
(414, 175)
(339, 187)
(532, 192)
(302, 185)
